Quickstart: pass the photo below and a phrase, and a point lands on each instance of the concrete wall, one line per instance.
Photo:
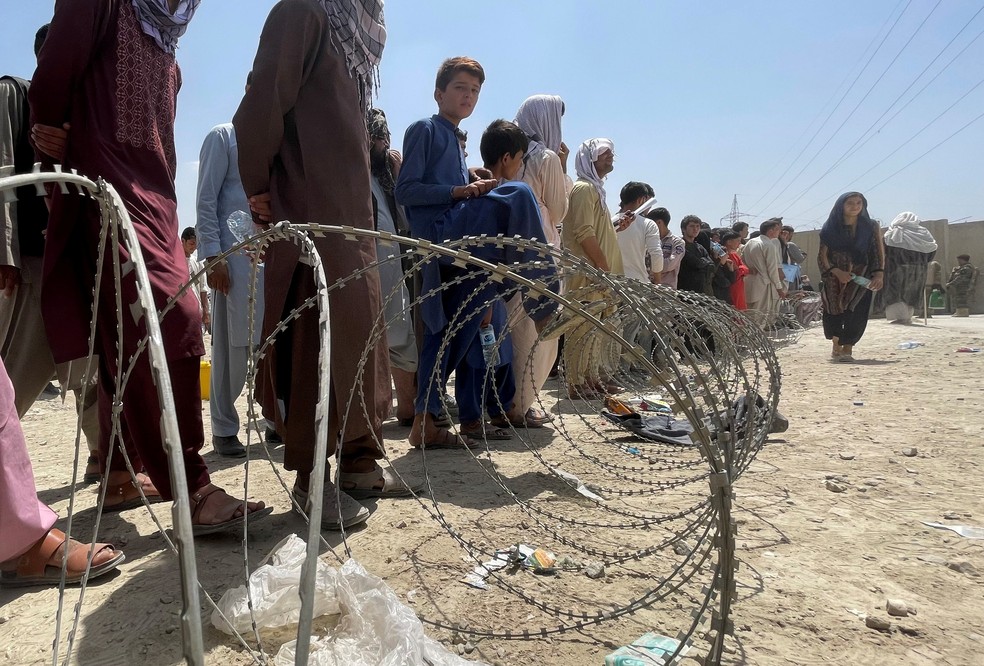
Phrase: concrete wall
(953, 239)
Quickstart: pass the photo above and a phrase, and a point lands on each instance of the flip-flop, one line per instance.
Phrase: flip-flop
(363, 485)
(33, 568)
(487, 431)
(199, 499)
(447, 440)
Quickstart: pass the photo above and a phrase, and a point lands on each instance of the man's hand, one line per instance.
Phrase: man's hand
(655, 277)
(473, 190)
(842, 276)
(9, 278)
(207, 321)
(218, 277)
(877, 281)
(259, 205)
(624, 222)
(782, 293)
(564, 153)
(51, 140)
(479, 173)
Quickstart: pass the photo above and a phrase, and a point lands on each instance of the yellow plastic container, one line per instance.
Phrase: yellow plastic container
(205, 378)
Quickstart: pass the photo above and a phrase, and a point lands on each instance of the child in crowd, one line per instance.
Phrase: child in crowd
(445, 202)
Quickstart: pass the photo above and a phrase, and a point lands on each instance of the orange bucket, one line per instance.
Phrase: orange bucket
(205, 378)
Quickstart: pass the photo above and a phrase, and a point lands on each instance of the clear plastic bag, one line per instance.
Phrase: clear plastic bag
(274, 588)
(374, 627)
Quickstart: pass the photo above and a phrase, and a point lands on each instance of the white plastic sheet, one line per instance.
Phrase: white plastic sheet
(374, 627)
(274, 588)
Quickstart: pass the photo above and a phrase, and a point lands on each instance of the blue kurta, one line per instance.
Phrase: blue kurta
(223, 218)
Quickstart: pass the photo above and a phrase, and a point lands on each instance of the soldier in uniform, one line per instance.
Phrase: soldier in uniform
(960, 286)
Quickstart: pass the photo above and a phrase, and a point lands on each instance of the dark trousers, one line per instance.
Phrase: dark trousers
(849, 326)
(474, 386)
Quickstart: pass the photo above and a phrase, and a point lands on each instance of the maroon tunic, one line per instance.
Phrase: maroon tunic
(117, 88)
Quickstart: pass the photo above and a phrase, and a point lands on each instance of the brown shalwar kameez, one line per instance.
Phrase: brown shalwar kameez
(302, 138)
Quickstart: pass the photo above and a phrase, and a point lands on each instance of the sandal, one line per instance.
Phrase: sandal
(363, 485)
(441, 421)
(92, 473)
(41, 565)
(536, 418)
(486, 431)
(126, 495)
(198, 500)
(338, 509)
(530, 420)
(445, 440)
(585, 392)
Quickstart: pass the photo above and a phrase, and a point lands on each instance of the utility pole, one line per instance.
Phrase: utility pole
(735, 215)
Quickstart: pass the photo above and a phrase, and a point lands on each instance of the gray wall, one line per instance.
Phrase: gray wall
(953, 239)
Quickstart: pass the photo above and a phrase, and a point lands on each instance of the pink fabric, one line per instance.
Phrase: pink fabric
(23, 518)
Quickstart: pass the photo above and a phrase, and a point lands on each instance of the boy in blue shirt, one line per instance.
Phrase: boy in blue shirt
(444, 202)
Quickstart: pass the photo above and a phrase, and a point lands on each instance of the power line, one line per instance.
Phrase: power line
(836, 106)
(859, 144)
(820, 112)
(880, 182)
(839, 102)
(858, 105)
(905, 143)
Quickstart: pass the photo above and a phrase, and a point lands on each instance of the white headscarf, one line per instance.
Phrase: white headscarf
(587, 154)
(907, 232)
(540, 117)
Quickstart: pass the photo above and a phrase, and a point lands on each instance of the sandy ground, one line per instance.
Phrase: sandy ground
(828, 530)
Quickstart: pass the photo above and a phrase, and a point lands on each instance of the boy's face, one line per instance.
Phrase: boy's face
(691, 230)
(511, 164)
(458, 100)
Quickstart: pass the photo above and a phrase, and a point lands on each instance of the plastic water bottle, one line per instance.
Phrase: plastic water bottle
(487, 335)
(909, 344)
(861, 280)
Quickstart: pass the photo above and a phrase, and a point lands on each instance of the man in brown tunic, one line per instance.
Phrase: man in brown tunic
(304, 157)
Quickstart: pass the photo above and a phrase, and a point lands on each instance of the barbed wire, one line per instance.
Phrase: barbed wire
(715, 370)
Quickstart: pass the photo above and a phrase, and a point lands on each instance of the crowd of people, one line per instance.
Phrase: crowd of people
(103, 101)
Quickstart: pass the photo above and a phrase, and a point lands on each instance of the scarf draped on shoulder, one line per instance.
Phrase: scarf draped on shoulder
(358, 34)
(157, 21)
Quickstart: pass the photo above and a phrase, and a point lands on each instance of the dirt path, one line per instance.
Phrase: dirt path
(828, 529)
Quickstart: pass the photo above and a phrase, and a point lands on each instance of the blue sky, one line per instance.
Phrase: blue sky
(704, 100)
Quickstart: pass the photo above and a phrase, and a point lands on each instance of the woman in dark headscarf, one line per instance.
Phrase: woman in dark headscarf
(851, 252)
